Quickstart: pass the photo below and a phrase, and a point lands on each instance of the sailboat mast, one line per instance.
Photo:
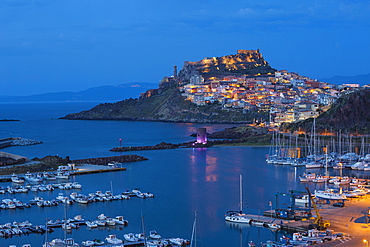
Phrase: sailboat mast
(241, 193)
(193, 240)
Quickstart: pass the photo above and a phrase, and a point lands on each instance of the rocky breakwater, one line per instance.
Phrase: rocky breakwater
(106, 160)
(162, 145)
(17, 141)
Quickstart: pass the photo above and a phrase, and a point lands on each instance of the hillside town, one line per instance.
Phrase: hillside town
(286, 96)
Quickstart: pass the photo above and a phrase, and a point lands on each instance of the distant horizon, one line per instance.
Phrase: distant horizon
(53, 46)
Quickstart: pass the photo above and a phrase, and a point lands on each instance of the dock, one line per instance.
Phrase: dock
(81, 170)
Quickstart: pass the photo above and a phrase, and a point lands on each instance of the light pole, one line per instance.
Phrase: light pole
(120, 142)
(365, 241)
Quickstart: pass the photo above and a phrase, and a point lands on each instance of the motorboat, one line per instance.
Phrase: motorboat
(154, 235)
(273, 225)
(88, 243)
(178, 241)
(30, 178)
(307, 177)
(91, 224)
(257, 223)
(112, 239)
(121, 221)
(98, 242)
(16, 179)
(130, 237)
(62, 175)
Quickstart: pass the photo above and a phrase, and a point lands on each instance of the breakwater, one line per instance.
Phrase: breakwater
(164, 145)
(106, 160)
(17, 141)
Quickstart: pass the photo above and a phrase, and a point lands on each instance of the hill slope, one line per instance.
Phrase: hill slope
(168, 106)
(349, 113)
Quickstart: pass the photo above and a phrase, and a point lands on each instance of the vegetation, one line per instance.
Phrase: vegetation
(168, 106)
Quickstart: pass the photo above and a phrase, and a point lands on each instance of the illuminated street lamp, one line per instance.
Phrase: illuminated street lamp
(365, 241)
(120, 142)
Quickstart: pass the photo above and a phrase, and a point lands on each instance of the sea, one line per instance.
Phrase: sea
(185, 181)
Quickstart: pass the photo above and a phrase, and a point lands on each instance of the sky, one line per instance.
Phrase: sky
(72, 45)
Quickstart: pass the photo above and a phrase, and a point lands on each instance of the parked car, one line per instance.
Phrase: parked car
(338, 204)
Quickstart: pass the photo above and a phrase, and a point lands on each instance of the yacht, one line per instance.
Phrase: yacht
(112, 239)
(16, 179)
(329, 195)
(29, 177)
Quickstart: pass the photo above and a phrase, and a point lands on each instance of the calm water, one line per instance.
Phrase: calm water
(183, 180)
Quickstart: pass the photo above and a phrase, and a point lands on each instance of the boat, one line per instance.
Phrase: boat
(112, 239)
(16, 179)
(88, 243)
(154, 235)
(257, 223)
(30, 178)
(98, 242)
(177, 241)
(307, 177)
(238, 216)
(302, 199)
(329, 195)
(91, 224)
(62, 175)
(273, 226)
(121, 221)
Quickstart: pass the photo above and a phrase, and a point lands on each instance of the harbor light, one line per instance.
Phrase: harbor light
(365, 241)
(202, 136)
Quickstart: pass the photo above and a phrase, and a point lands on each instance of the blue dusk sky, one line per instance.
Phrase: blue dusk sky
(65, 45)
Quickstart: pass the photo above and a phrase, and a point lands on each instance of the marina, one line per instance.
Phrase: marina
(206, 180)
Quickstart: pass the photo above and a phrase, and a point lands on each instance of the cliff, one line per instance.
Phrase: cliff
(349, 113)
(168, 106)
(245, 62)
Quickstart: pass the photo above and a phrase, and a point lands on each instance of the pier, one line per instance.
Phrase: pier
(81, 170)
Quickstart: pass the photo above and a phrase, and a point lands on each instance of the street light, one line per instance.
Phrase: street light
(120, 142)
(365, 241)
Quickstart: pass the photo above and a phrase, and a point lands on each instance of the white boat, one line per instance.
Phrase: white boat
(154, 235)
(110, 222)
(62, 175)
(100, 222)
(130, 237)
(238, 216)
(140, 236)
(30, 178)
(329, 195)
(112, 239)
(88, 243)
(303, 199)
(343, 181)
(121, 221)
(320, 179)
(16, 179)
(76, 185)
(273, 225)
(257, 223)
(314, 165)
(307, 177)
(177, 241)
(91, 224)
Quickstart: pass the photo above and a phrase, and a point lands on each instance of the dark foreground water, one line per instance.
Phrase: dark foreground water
(183, 180)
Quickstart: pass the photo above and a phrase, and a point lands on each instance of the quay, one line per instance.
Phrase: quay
(81, 170)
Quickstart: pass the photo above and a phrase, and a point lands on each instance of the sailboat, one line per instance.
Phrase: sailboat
(238, 216)
(328, 194)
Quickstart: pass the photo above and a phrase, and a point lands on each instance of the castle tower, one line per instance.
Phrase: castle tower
(175, 71)
(201, 135)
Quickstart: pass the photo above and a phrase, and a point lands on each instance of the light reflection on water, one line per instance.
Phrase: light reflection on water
(183, 180)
